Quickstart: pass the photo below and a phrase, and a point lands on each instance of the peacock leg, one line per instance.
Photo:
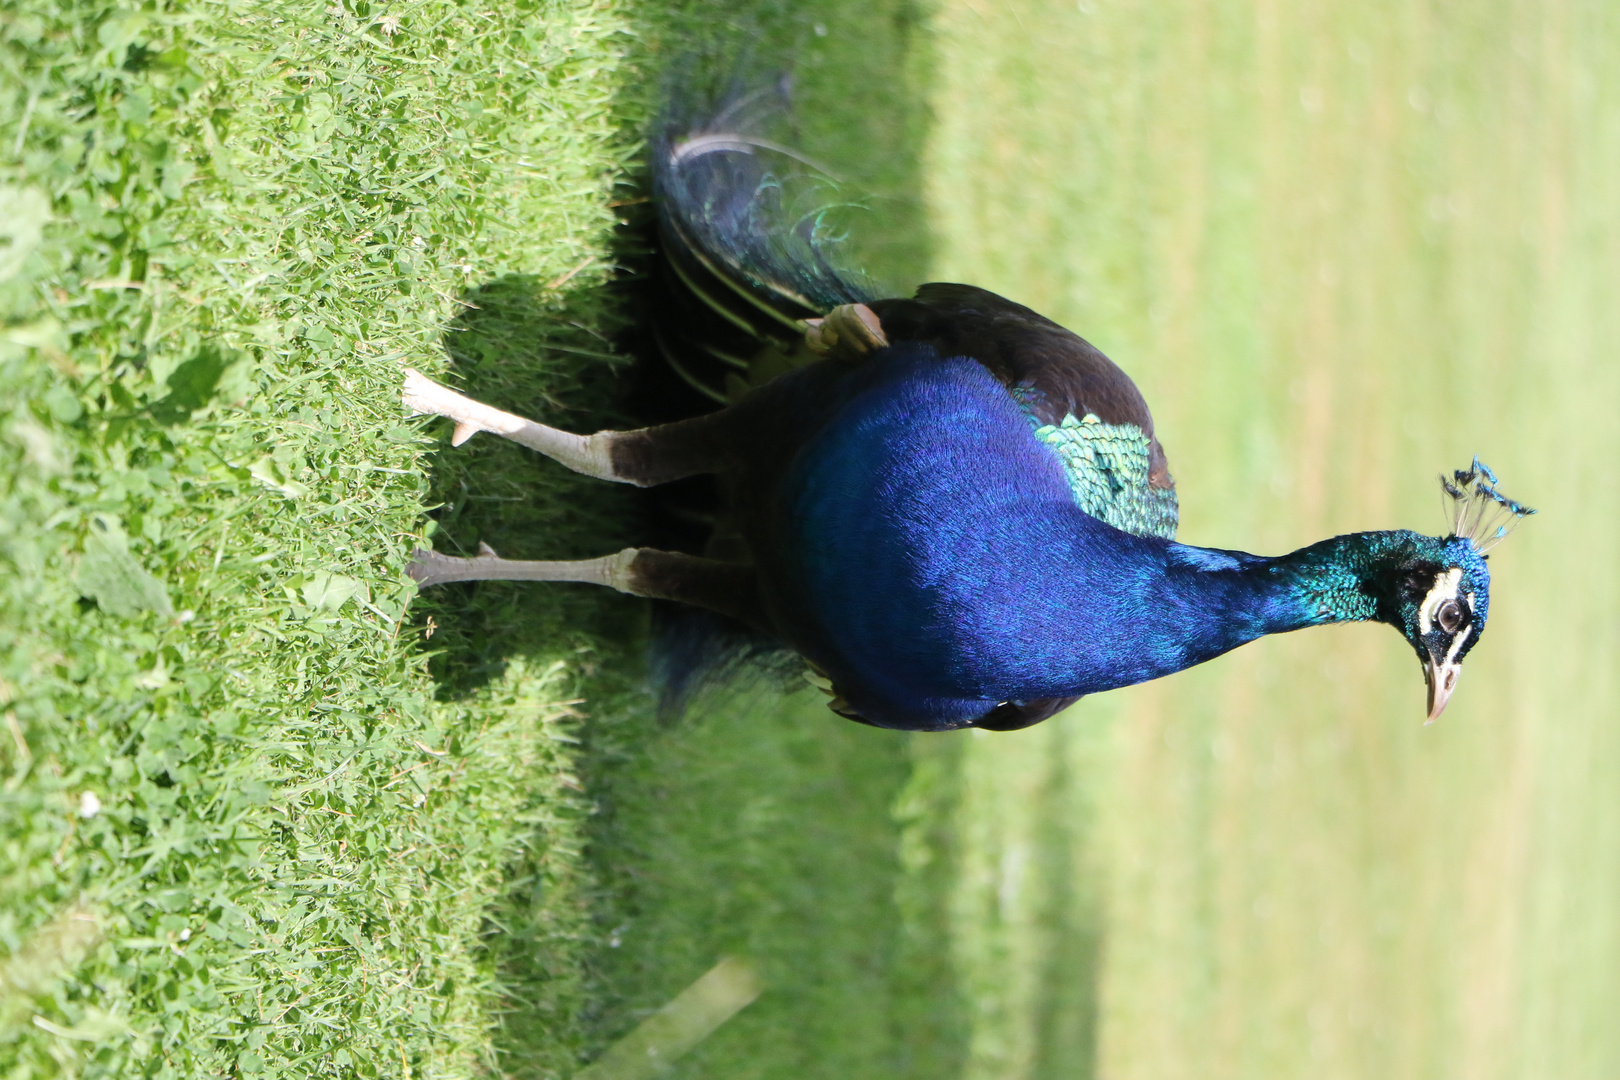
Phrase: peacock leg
(644, 457)
(728, 588)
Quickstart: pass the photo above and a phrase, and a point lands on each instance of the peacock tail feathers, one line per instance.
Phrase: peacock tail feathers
(745, 219)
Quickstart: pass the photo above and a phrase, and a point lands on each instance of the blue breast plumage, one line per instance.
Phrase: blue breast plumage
(898, 525)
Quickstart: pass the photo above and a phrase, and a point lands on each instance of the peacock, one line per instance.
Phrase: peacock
(956, 511)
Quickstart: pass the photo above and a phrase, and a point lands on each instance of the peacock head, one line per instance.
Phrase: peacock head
(1444, 586)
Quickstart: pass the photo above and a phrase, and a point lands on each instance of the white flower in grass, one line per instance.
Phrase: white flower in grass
(89, 805)
(389, 25)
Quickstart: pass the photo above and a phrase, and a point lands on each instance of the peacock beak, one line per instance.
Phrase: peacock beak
(1442, 679)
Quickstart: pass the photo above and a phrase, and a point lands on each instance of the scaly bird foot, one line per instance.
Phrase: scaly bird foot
(850, 332)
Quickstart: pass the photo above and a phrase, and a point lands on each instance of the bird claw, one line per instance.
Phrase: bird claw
(424, 397)
(849, 332)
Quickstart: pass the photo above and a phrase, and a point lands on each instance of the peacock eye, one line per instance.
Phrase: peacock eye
(1449, 615)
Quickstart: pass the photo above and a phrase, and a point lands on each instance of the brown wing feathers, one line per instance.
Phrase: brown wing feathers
(1024, 349)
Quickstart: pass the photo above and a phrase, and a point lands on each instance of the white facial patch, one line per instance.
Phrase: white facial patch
(1445, 588)
(1457, 644)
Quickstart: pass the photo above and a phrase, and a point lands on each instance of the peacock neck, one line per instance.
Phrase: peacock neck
(1193, 604)
(1346, 578)
(1341, 579)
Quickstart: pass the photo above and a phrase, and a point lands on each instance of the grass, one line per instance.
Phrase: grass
(235, 223)
(751, 829)
(262, 813)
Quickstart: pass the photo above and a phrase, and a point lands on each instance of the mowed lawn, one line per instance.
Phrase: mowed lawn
(244, 833)
(265, 812)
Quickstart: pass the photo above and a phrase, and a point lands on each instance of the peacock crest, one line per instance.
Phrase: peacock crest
(1478, 512)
